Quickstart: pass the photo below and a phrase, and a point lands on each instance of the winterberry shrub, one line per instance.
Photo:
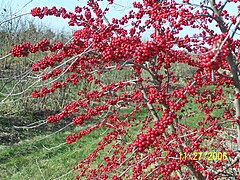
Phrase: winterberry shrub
(173, 139)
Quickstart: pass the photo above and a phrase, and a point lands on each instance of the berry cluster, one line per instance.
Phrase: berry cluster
(143, 141)
(26, 48)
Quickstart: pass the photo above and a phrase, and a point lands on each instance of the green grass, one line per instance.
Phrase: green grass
(30, 158)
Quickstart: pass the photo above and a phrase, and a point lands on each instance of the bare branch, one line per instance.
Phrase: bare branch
(13, 18)
(32, 125)
(5, 56)
(224, 4)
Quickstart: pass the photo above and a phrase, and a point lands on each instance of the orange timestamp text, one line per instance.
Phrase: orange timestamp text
(210, 156)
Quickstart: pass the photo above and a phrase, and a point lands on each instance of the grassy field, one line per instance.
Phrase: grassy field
(36, 157)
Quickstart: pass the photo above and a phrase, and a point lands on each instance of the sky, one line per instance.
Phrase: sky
(20, 7)
(120, 8)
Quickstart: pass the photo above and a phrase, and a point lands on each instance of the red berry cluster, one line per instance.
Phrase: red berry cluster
(26, 48)
(143, 141)
(21, 50)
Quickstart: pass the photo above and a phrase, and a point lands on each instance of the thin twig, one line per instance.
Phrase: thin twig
(30, 126)
(64, 175)
(54, 147)
(55, 132)
(24, 6)
(40, 170)
(5, 56)
(14, 18)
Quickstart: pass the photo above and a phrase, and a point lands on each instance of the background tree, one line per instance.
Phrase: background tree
(173, 139)
(17, 81)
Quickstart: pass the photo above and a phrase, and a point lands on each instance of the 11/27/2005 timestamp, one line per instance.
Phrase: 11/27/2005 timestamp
(210, 156)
